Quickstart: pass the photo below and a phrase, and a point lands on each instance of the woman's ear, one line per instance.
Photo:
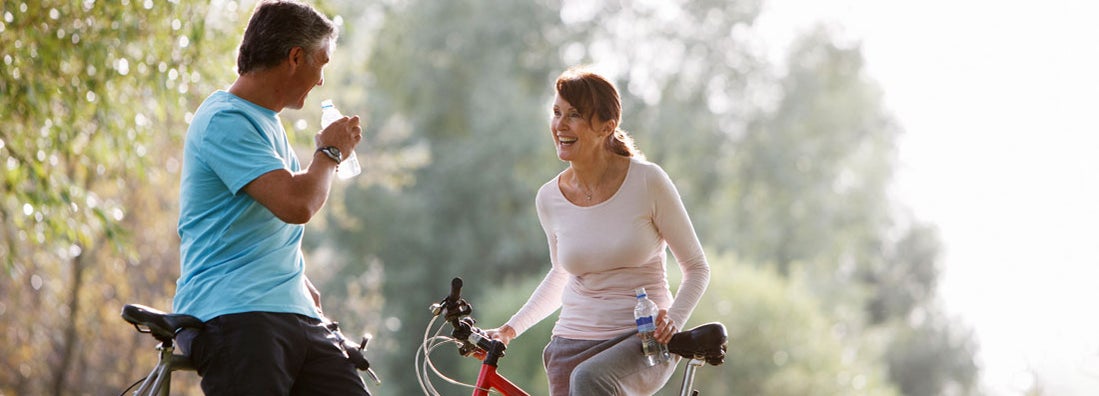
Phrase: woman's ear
(609, 127)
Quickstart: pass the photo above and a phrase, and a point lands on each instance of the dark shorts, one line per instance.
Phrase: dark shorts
(263, 353)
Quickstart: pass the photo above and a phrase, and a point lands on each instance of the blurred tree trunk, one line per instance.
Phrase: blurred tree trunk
(71, 336)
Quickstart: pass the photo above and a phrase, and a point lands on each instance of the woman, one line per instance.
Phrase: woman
(608, 218)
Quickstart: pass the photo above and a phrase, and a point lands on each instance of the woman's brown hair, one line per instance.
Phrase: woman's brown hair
(596, 98)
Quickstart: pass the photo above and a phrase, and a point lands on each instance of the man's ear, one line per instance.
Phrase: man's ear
(296, 57)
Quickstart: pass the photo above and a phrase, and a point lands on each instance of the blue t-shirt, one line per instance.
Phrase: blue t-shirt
(235, 255)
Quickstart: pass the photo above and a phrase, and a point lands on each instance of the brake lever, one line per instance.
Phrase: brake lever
(362, 352)
(355, 352)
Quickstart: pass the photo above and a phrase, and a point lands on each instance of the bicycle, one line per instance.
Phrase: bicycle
(700, 345)
(165, 326)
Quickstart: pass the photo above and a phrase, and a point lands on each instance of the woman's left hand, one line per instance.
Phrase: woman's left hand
(665, 327)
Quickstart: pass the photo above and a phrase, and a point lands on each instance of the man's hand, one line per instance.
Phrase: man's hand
(316, 294)
(344, 133)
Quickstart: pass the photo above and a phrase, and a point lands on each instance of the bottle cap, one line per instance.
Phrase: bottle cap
(327, 103)
(640, 292)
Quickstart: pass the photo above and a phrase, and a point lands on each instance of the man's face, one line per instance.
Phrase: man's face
(308, 75)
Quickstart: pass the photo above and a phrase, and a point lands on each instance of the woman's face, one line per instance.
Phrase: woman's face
(574, 137)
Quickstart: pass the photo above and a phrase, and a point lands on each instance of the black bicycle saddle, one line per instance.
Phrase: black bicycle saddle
(163, 326)
(706, 342)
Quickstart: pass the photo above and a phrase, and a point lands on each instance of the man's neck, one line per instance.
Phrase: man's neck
(257, 87)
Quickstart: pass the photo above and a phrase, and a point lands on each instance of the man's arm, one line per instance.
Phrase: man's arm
(296, 197)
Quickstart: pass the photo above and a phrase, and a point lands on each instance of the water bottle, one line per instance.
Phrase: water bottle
(349, 167)
(644, 313)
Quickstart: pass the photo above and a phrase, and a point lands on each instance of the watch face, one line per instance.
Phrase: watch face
(336, 152)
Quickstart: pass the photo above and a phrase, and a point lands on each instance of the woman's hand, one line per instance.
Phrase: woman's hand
(503, 334)
(665, 327)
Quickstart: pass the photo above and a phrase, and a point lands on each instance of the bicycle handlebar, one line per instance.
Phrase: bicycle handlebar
(455, 289)
(472, 341)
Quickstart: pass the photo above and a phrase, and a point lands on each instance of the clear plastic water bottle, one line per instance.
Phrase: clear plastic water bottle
(349, 167)
(644, 313)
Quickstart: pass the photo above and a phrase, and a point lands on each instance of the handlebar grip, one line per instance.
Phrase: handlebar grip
(455, 290)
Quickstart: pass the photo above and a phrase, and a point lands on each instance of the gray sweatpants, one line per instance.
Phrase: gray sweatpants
(602, 367)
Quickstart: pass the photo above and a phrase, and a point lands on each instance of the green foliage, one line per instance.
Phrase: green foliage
(785, 168)
(84, 85)
(906, 280)
(810, 200)
(480, 112)
(95, 97)
(781, 340)
(811, 174)
(929, 356)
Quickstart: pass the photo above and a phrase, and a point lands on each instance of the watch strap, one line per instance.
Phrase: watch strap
(332, 152)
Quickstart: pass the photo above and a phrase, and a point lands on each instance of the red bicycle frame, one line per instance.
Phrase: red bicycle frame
(490, 379)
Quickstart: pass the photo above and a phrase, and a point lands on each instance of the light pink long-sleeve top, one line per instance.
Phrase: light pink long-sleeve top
(600, 254)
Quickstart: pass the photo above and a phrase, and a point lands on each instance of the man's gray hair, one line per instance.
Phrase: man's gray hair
(276, 27)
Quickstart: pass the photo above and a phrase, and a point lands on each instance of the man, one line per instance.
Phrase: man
(244, 200)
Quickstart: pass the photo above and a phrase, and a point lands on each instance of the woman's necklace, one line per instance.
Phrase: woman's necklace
(589, 192)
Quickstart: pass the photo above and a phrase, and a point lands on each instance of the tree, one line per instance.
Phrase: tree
(479, 113)
(782, 339)
(95, 97)
(795, 181)
(785, 167)
(932, 356)
(811, 200)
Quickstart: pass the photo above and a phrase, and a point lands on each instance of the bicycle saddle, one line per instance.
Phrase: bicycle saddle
(706, 342)
(163, 326)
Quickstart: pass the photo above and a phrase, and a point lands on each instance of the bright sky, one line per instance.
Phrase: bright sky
(998, 100)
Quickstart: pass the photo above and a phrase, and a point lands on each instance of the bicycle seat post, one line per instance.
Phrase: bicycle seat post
(159, 381)
(689, 377)
(167, 350)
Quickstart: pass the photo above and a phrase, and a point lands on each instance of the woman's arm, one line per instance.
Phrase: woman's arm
(544, 301)
(675, 226)
(547, 297)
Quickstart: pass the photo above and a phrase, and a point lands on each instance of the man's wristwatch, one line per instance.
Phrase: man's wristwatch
(333, 153)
